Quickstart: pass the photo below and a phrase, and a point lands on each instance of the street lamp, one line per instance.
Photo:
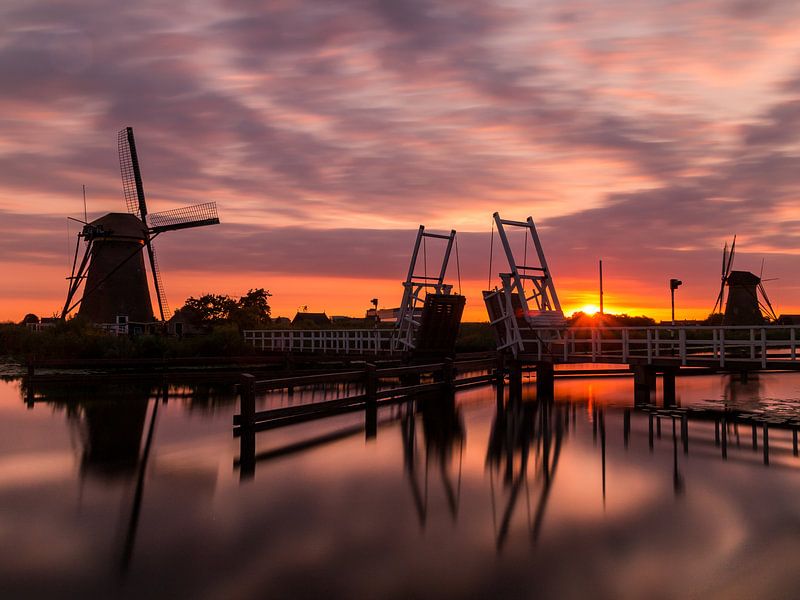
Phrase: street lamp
(674, 284)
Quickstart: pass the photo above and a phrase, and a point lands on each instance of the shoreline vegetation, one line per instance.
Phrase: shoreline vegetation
(220, 336)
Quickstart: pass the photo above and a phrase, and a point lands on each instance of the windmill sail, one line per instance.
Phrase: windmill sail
(163, 306)
(131, 174)
(197, 215)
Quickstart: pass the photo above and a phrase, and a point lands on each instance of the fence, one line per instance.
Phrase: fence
(342, 341)
(696, 345)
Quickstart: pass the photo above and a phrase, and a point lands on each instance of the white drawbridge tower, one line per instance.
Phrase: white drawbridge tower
(525, 309)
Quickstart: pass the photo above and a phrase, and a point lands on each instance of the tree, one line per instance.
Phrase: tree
(211, 308)
(252, 309)
(248, 312)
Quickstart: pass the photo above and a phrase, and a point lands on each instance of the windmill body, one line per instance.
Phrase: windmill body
(116, 272)
(112, 269)
(742, 306)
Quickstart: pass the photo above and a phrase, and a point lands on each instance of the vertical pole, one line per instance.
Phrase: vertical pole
(601, 286)
(672, 294)
(765, 436)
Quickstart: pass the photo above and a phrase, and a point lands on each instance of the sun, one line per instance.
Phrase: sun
(589, 309)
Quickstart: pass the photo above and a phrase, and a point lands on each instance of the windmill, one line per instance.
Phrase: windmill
(112, 269)
(747, 302)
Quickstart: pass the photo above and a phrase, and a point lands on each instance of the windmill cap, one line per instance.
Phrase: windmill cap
(121, 225)
(742, 278)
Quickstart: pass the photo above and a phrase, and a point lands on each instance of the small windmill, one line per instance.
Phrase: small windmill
(112, 265)
(747, 302)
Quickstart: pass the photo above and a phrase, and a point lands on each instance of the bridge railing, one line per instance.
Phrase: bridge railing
(344, 341)
(717, 345)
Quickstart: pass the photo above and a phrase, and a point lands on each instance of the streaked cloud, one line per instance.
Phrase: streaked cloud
(327, 131)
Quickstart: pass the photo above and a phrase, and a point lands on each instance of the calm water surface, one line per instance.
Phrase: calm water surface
(122, 491)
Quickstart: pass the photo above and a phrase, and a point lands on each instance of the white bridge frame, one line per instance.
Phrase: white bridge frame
(547, 319)
(417, 287)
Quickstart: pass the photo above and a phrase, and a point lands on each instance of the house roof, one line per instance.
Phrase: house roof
(315, 318)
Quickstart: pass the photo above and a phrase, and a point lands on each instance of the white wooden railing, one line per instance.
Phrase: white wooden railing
(344, 341)
(699, 344)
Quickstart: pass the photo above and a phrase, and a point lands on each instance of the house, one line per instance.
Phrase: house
(309, 319)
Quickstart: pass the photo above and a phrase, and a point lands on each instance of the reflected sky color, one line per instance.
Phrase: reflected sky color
(370, 518)
(644, 135)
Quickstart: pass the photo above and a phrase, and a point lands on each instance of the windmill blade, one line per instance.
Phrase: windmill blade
(724, 258)
(197, 215)
(771, 311)
(719, 298)
(730, 258)
(163, 307)
(131, 174)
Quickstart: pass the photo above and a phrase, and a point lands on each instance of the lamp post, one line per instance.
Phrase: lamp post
(674, 284)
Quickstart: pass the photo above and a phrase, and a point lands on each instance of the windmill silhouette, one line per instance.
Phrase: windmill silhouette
(747, 302)
(112, 269)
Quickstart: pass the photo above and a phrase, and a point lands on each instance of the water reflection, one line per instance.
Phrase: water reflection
(443, 437)
(524, 445)
(469, 495)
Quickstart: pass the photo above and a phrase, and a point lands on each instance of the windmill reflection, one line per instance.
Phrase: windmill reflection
(526, 438)
(442, 436)
(109, 422)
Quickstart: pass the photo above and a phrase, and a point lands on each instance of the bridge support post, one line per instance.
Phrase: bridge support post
(545, 381)
(644, 384)
(668, 380)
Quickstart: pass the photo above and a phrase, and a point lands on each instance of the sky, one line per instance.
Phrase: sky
(644, 134)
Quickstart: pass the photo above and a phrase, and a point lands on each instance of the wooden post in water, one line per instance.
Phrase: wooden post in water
(247, 414)
(668, 380)
(371, 403)
(515, 380)
(247, 399)
(448, 373)
(371, 382)
(545, 381)
(644, 384)
(626, 426)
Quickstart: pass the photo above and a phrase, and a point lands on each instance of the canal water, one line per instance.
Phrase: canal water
(131, 491)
